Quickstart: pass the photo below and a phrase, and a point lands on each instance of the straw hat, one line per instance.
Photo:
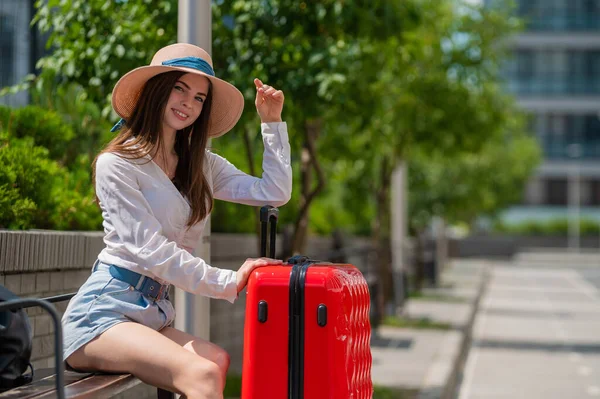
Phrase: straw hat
(227, 101)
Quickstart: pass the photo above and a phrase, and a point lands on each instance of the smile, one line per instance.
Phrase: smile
(180, 114)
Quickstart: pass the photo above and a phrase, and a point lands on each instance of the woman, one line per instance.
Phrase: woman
(155, 184)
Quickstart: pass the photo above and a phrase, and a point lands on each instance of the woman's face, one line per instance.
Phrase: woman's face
(185, 102)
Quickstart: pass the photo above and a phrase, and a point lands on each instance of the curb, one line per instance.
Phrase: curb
(447, 389)
(457, 372)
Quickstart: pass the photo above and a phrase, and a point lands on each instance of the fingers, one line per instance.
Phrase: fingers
(267, 91)
(250, 265)
(264, 261)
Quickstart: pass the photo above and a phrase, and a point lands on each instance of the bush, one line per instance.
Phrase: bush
(75, 207)
(5, 113)
(26, 176)
(46, 128)
(556, 227)
(91, 129)
(37, 192)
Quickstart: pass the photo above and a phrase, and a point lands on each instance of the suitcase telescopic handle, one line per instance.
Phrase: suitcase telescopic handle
(268, 215)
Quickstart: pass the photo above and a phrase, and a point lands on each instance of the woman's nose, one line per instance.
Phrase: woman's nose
(186, 102)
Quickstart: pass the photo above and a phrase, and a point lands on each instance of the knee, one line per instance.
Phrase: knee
(204, 379)
(222, 359)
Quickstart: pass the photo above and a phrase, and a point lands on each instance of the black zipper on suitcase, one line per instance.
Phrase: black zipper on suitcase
(296, 341)
(296, 336)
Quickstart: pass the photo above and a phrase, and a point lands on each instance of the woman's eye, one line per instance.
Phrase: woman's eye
(178, 88)
(200, 99)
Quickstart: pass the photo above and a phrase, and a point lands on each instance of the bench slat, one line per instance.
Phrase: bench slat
(96, 386)
(42, 386)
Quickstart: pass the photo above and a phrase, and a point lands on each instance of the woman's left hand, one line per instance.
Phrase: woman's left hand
(269, 102)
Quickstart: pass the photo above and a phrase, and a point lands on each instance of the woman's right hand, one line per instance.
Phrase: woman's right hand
(249, 265)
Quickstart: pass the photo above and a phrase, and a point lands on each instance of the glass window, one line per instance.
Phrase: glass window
(595, 192)
(525, 63)
(557, 72)
(558, 15)
(7, 36)
(591, 136)
(591, 6)
(557, 131)
(557, 191)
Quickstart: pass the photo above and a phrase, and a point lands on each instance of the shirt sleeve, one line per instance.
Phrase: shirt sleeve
(275, 186)
(128, 213)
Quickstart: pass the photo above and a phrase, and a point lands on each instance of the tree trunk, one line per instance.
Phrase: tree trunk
(308, 164)
(381, 232)
(419, 259)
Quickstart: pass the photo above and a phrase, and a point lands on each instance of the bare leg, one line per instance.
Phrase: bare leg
(200, 347)
(153, 358)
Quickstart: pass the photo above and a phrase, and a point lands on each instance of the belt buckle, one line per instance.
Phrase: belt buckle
(159, 293)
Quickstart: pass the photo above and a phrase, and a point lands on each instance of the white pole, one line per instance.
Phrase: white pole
(574, 197)
(194, 23)
(193, 312)
(399, 203)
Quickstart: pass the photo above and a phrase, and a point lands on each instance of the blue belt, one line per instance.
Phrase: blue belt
(144, 284)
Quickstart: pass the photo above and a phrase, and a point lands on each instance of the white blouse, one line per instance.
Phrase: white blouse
(145, 215)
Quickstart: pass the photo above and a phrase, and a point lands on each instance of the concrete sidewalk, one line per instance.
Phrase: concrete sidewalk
(537, 332)
(428, 361)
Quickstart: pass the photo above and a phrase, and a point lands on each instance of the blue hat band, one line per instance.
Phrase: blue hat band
(191, 62)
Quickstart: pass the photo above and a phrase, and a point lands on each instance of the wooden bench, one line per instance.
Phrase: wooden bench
(76, 385)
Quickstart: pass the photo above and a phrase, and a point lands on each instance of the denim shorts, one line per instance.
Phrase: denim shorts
(103, 302)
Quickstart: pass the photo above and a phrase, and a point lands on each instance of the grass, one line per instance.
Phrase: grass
(419, 323)
(233, 387)
(233, 390)
(394, 393)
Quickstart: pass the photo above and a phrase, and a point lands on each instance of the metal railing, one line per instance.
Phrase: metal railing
(46, 304)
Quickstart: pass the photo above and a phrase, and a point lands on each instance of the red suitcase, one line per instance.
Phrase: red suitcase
(307, 332)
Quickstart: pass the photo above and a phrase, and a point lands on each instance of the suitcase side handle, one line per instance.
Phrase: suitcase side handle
(268, 215)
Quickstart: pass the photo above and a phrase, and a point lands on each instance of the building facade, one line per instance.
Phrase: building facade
(555, 74)
(21, 46)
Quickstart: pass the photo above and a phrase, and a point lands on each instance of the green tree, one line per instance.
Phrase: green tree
(310, 61)
(433, 88)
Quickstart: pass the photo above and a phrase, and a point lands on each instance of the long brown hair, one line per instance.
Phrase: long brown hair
(144, 129)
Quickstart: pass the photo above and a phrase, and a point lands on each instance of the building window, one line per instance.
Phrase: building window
(560, 15)
(557, 131)
(591, 6)
(557, 191)
(595, 193)
(554, 72)
(7, 53)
